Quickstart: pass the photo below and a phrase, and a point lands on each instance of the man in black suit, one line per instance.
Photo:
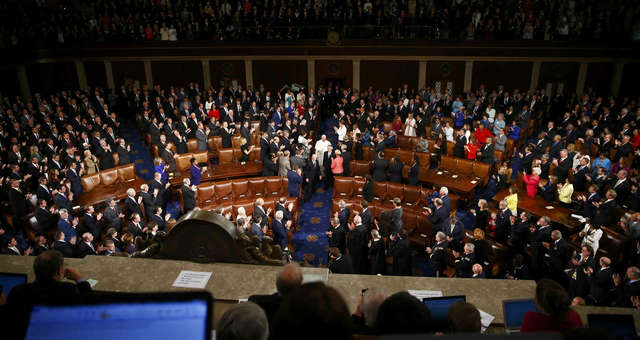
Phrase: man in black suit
(461, 141)
(340, 263)
(439, 218)
(337, 236)
(188, 195)
(623, 149)
(396, 216)
(358, 249)
(589, 206)
(365, 215)
(558, 252)
(92, 223)
(601, 282)
(287, 280)
(136, 226)
(67, 249)
(400, 249)
(105, 155)
(49, 287)
(622, 187)
(454, 233)
(86, 246)
(123, 151)
(157, 217)
(73, 174)
(580, 174)
(380, 166)
(46, 217)
(556, 147)
(113, 215)
(486, 153)
(20, 205)
(606, 210)
(226, 134)
(503, 222)
(625, 290)
(132, 204)
(540, 234)
(312, 176)
(286, 209)
(269, 167)
(563, 165)
(62, 199)
(519, 232)
(438, 254)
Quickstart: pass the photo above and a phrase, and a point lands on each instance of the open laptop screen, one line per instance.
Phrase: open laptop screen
(514, 311)
(439, 308)
(184, 319)
(10, 280)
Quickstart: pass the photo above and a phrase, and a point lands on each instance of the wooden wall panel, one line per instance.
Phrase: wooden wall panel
(127, 72)
(599, 77)
(226, 71)
(446, 71)
(275, 74)
(630, 76)
(177, 73)
(96, 75)
(340, 70)
(386, 74)
(49, 77)
(513, 75)
(559, 72)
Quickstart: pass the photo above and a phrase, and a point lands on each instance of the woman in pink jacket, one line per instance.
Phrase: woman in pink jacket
(336, 164)
(532, 181)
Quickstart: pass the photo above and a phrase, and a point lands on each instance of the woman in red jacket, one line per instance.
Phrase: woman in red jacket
(471, 149)
(555, 315)
(336, 164)
(532, 181)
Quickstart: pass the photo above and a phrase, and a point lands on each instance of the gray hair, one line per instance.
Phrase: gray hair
(470, 246)
(63, 211)
(342, 204)
(444, 191)
(243, 321)
(279, 215)
(440, 235)
(371, 301)
(131, 192)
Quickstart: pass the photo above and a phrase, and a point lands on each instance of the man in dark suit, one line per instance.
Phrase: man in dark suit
(312, 176)
(340, 263)
(343, 215)
(365, 215)
(86, 246)
(622, 187)
(92, 223)
(287, 280)
(61, 199)
(400, 249)
(358, 249)
(269, 166)
(112, 215)
(580, 174)
(169, 158)
(446, 200)
(461, 141)
(486, 153)
(337, 236)
(589, 206)
(188, 195)
(396, 216)
(563, 165)
(45, 216)
(20, 206)
(136, 226)
(519, 232)
(282, 205)
(49, 287)
(623, 149)
(157, 217)
(558, 252)
(601, 283)
(260, 212)
(438, 254)
(503, 222)
(43, 192)
(132, 204)
(625, 290)
(454, 233)
(606, 210)
(439, 218)
(123, 151)
(556, 147)
(540, 234)
(67, 249)
(280, 230)
(380, 166)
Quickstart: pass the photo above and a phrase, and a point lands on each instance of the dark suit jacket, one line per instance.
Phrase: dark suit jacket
(92, 226)
(559, 252)
(269, 168)
(367, 191)
(269, 303)
(111, 217)
(62, 202)
(84, 250)
(46, 220)
(132, 206)
(487, 154)
(365, 215)
(457, 234)
(135, 231)
(342, 265)
(66, 248)
(439, 219)
(280, 235)
(188, 198)
(380, 169)
(338, 238)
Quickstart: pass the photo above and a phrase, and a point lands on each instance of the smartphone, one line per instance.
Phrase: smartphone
(363, 291)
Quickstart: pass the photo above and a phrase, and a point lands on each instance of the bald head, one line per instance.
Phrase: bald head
(289, 278)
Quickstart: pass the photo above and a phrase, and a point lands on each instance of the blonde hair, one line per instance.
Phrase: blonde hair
(157, 161)
(482, 203)
(478, 234)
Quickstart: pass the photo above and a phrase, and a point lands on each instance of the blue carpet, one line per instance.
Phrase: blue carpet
(310, 243)
(140, 153)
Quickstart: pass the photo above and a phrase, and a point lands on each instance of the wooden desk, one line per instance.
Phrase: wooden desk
(220, 172)
(463, 185)
(99, 195)
(537, 207)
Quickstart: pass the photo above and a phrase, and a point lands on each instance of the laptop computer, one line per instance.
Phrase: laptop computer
(514, 311)
(10, 280)
(439, 308)
(619, 326)
(185, 315)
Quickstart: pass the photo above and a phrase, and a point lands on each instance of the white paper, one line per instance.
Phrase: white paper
(579, 218)
(306, 278)
(192, 279)
(421, 294)
(485, 319)
(92, 282)
(243, 300)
